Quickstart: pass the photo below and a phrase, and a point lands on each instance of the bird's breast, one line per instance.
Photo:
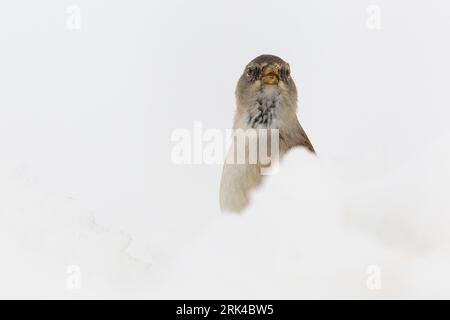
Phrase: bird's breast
(264, 113)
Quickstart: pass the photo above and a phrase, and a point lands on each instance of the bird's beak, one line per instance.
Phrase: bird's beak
(270, 75)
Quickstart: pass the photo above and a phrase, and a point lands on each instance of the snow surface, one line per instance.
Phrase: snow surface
(86, 177)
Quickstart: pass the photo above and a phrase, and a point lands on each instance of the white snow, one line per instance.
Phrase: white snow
(86, 177)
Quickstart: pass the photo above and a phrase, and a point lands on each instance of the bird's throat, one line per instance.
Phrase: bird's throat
(265, 111)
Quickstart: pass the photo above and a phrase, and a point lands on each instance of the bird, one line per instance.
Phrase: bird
(266, 99)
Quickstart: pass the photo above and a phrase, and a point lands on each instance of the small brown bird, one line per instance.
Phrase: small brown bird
(266, 98)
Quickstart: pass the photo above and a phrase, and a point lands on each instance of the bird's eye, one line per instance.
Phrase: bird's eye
(253, 72)
(287, 72)
(250, 71)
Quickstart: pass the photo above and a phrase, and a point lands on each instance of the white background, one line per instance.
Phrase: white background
(86, 176)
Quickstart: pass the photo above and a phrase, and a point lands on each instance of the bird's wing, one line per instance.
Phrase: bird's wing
(296, 136)
(306, 142)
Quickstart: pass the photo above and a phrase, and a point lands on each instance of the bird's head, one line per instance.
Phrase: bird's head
(266, 75)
